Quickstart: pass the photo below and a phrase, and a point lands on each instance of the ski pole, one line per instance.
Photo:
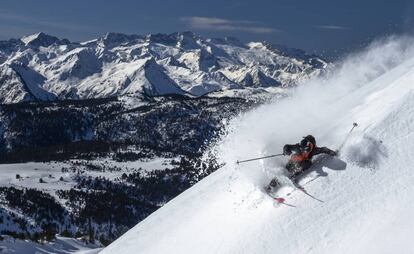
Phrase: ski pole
(259, 158)
(347, 136)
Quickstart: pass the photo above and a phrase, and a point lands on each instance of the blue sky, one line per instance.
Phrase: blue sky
(327, 27)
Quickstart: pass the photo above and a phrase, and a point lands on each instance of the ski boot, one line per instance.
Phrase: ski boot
(273, 185)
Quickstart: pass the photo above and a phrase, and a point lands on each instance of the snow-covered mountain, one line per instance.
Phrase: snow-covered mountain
(365, 195)
(43, 67)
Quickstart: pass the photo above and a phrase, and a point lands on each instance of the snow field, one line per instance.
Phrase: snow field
(367, 205)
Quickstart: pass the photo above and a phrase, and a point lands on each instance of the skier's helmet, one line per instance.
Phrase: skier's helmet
(311, 139)
(307, 143)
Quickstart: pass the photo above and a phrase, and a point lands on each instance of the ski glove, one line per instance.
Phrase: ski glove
(287, 150)
(333, 153)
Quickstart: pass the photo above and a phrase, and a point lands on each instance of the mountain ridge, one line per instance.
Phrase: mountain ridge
(116, 64)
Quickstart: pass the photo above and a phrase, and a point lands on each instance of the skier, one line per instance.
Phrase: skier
(301, 157)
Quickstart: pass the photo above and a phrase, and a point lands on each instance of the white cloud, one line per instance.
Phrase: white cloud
(332, 27)
(219, 24)
(6, 15)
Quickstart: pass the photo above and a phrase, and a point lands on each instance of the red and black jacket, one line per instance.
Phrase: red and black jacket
(299, 155)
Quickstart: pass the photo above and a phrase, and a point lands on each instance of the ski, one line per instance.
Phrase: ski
(302, 189)
(281, 198)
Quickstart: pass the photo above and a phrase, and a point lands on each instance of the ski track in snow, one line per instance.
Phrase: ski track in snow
(367, 191)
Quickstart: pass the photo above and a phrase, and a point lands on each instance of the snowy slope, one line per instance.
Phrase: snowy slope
(367, 192)
(48, 68)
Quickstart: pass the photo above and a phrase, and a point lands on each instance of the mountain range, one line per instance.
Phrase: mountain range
(42, 67)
